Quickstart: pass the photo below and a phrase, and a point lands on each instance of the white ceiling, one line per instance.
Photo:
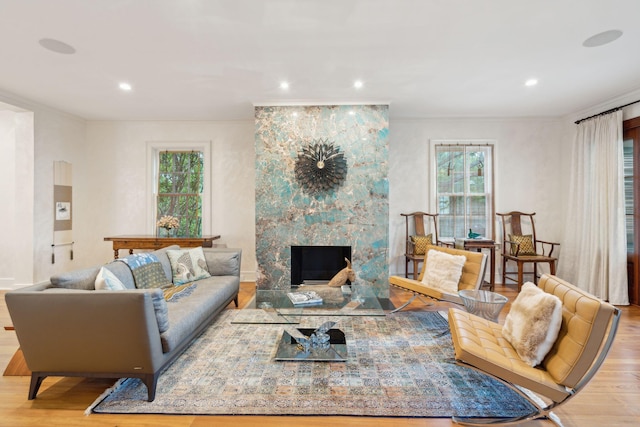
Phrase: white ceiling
(215, 59)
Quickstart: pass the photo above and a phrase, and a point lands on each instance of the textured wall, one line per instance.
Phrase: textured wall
(354, 214)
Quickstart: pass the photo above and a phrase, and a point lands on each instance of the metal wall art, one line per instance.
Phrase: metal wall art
(320, 167)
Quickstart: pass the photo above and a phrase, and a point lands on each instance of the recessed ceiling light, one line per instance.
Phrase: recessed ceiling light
(531, 82)
(358, 84)
(57, 46)
(602, 38)
(284, 85)
(125, 86)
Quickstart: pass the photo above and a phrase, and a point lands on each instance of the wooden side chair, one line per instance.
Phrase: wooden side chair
(421, 231)
(520, 245)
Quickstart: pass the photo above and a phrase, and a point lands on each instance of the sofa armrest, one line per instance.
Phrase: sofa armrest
(86, 331)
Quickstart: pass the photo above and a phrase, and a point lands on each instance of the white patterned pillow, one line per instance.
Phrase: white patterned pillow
(443, 271)
(188, 265)
(533, 323)
(106, 280)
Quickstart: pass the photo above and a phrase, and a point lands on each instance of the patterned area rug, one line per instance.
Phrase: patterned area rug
(399, 365)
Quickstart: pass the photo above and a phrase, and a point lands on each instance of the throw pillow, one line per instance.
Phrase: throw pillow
(443, 271)
(106, 280)
(161, 309)
(223, 263)
(533, 323)
(149, 276)
(188, 265)
(525, 242)
(420, 243)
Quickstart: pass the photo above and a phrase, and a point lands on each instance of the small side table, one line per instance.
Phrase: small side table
(485, 304)
(478, 245)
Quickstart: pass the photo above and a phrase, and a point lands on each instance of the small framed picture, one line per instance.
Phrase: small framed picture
(63, 211)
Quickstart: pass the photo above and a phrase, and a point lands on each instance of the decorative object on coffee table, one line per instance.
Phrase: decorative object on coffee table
(322, 344)
(320, 167)
(343, 275)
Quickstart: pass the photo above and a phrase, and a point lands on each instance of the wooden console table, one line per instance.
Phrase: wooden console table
(154, 242)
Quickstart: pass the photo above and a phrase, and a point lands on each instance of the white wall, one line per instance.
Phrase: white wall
(530, 176)
(41, 136)
(109, 176)
(115, 181)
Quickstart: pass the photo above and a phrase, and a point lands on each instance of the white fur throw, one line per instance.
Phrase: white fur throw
(533, 323)
(443, 271)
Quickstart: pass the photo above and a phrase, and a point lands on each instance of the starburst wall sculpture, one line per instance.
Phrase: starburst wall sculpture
(320, 167)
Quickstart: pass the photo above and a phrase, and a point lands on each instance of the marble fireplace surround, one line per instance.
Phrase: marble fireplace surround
(355, 214)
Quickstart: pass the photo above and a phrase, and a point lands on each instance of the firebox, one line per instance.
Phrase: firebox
(317, 264)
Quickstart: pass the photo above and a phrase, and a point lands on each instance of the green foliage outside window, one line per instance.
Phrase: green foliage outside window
(180, 187)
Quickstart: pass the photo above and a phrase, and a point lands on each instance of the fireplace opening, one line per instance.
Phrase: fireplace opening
(317, 264)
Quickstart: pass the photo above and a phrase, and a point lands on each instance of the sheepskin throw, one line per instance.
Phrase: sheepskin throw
(443, 271)
(533, 323)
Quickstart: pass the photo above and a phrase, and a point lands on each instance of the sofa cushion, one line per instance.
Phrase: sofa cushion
(443, 271)
(77, 279)
(223, 263)
(161, 309)
(122, 272)
(188, 265)
(189, 312)
(533, 323)
(106, 280)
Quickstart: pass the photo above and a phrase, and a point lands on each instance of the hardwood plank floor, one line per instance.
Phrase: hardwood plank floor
(611, 399)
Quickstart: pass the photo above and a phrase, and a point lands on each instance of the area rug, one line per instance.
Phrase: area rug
(400, 365)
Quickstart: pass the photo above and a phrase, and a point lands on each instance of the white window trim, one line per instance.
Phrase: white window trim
(153, 150)
(432, 190)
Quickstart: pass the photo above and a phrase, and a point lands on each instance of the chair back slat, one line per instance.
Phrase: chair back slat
(419, 225)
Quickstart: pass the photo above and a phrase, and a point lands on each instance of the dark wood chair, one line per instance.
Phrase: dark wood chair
(418, 226)
(523, 247)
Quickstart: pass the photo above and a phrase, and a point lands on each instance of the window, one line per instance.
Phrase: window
(180, 185)
(464, 188)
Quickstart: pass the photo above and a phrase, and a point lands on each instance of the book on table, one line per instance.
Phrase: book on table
(305, 298)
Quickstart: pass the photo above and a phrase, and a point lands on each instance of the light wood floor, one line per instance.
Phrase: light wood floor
(611, 399)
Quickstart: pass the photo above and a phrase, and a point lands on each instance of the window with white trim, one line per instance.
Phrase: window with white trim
(180, 176)
(464, 188)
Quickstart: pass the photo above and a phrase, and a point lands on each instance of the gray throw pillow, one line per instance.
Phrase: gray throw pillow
(222, 263)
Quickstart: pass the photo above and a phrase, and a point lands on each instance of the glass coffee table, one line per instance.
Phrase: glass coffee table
(359, 300)
(485, 304)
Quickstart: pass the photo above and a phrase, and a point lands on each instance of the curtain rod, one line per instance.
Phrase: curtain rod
(606, 112)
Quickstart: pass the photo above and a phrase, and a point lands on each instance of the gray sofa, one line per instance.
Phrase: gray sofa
(67, 328)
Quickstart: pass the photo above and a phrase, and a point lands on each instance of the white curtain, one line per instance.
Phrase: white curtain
(594, 248)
